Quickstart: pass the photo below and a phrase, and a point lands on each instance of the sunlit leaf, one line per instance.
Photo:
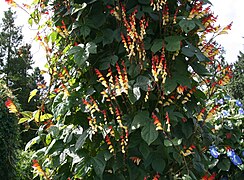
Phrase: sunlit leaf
(32, 142)
(32, 94)
(46, 117)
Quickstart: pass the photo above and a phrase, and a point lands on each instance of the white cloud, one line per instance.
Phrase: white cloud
(227, 12)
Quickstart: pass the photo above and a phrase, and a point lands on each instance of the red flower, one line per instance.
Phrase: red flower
(212, 177)
(11, 106)
(228, 135)
(9, 1)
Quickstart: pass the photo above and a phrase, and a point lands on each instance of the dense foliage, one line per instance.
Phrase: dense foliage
(131, 90)
(236, 85)
(9, 136)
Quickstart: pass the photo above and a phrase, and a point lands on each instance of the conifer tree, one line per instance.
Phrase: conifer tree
(15, 58)
(237, 84)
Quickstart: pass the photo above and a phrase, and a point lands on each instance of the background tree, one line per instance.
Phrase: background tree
(236, 86)
(15, 58)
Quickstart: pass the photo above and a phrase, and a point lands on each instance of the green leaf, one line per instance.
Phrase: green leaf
(22, 120)
(157, 45)
(224, 164)
(168, 143)
(173, 43)
(108, 36)
(134, 70)
(91, 48)
(213, 163)
(32, 94)
(27, 116)
(32, 142)
(143, 82)
(158, 163)
(191, 50)
(201, 57)
(199, 23)
(145, 150)
(78, 7)
(132, 96)
(48, 139)
(60, 106)
(46, 117)
(99, 164)
(105, 62)
(175, 142)
(136, 93)
(187, 129)
(140, 119)
(76, 49)
(85, 31)
(200, 69)
(54, 131)
(186, 177)
(187, 25)
(188, 51)
(170, 85)
(81, 140)
(56, 146)
(149, 133)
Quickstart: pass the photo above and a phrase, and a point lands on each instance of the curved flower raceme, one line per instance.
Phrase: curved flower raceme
(235, 159)
(213, 151)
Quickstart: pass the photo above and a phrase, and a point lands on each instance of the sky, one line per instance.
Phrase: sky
(227, 11)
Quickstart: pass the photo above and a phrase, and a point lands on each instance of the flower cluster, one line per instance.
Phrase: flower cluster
(188, 151)
(209, 177)
(37, 167)
(235, 159)
(214, 152)
(116, 85)
(133, 42)
(157, 122)
(158, 4)
(197, 11)
(159, 67)
(11, 106)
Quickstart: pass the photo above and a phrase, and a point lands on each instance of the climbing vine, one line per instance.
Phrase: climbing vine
(129, 82)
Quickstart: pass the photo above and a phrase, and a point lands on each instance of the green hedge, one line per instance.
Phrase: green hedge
(9, 137)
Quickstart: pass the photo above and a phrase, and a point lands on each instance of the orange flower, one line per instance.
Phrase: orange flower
(37, 167)
(157, 122)
(9, 1)
(136, 160)
(11, 106)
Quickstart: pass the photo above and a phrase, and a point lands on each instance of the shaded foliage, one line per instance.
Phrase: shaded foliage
(236, 85)
(9, 136)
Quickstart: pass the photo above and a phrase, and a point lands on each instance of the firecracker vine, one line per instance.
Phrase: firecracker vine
(128, 89)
